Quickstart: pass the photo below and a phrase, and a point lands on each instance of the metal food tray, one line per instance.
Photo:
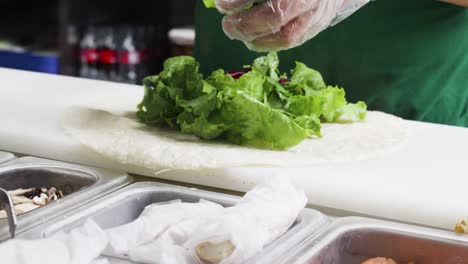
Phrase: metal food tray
(352, 240)
(313, 239)
(5, 157)
(127, 204)
(80, 184)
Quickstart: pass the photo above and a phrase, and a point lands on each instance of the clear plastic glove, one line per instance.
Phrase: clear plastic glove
(282, 24)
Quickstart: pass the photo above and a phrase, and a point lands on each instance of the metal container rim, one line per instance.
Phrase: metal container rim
(344, 225)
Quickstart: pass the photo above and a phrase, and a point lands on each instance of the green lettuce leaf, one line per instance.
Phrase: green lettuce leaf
(353, 112)
(200, 126)
(260, 109)
(305, 80)
(268, 65)
(311, 122)
(337, 109)
(256, 124)
(202, 105)
(306, 105)
(212, 4)
(251, 84)
(221, 79)
(209, 3)
(333, 99)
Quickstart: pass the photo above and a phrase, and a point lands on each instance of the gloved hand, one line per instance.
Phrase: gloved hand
(282, 24)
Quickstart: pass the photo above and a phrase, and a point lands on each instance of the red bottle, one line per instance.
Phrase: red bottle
(131, 57)
(89, 57)
(107, 53)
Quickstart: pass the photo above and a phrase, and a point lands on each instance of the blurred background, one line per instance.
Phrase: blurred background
(116, 40)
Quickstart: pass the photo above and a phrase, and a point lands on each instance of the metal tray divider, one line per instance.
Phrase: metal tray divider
(75, 217)
(104, 183)
(341, 226)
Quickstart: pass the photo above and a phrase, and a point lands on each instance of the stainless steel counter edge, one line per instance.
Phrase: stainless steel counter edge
(106, 182)
(340, 226)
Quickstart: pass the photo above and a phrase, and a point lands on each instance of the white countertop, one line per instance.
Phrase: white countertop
(422, 183)
(5, 157)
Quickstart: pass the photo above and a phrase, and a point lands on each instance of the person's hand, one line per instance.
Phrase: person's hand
(282, 24)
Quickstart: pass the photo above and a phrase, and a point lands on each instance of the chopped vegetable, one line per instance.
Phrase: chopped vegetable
(462, 227)
(254, 107)
(209, 3)
(212, 4)
(26, 200)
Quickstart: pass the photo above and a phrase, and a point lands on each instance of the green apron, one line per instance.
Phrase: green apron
(405, 57)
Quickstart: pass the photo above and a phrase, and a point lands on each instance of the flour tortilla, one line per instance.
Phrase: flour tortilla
(122, 138)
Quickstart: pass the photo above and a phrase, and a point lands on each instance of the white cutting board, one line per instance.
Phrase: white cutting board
(424, 183)
(5, 157)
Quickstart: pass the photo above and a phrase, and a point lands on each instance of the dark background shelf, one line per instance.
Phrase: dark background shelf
(30, 22)
(42, 25)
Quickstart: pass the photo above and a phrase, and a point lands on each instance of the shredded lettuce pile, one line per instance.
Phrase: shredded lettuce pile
(261, 108)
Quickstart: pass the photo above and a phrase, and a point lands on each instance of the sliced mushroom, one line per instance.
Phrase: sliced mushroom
(3, 214)
(54, 194)
(21, 191)
(34, 193)
(52, 197)
(40, 200)
(24, 208)
(51, 191)
(20, 199)
(29, 199)
(214, 253)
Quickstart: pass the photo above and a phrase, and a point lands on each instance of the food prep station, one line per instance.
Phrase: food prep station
(80, 184)
(112, 199)
(322, 234)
